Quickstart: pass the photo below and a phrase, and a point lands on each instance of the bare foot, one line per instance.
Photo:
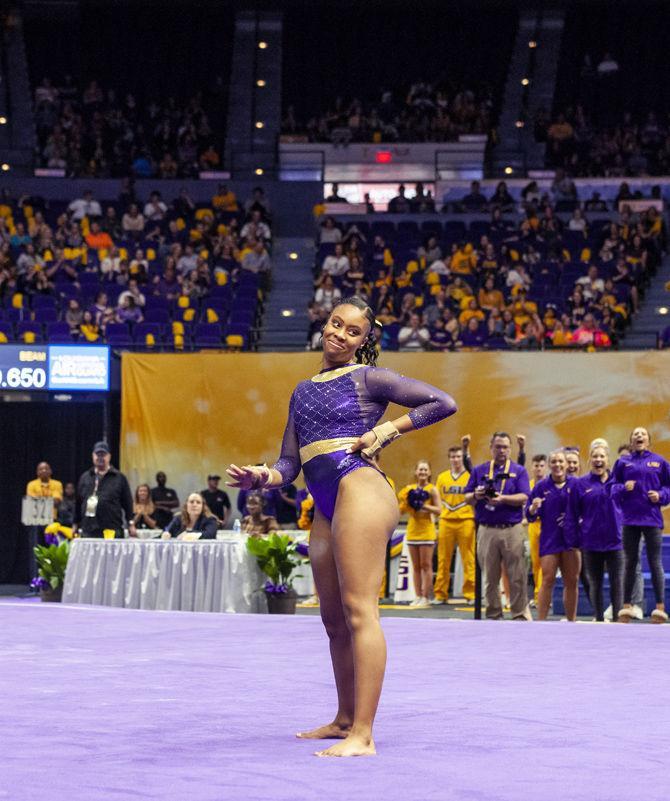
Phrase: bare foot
(331, 731)
(354, 745)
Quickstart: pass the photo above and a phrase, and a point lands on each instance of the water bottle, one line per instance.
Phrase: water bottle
(237, 526)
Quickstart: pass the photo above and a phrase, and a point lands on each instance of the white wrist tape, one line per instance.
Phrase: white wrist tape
(384, 434)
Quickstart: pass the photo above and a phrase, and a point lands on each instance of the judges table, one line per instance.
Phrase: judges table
(203, 576)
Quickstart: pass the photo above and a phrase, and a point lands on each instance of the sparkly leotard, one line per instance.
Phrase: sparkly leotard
(330, 411)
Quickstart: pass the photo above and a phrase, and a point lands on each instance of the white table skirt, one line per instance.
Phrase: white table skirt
(206, 576)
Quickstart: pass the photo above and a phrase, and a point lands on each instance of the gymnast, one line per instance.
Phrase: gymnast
(333, 433)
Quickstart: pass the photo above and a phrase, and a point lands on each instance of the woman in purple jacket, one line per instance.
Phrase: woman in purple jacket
(645, 477)
(333, 434)
(548, 501)
(594, 520)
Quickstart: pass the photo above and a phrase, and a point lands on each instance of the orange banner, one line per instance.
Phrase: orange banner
(193, 414)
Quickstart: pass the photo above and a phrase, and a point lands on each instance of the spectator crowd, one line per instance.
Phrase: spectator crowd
(132, 272)
(424, 112)
(97, 134)
(536, 281)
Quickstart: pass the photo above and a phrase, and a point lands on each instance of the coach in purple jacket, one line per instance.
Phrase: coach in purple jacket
(594, 520)
(559, 548)
(645, 478)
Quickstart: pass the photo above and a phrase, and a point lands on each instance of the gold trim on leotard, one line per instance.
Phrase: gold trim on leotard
(330, 375)
(323, 446)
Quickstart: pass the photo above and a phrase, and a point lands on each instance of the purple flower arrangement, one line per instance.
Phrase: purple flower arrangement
(38, 584)
(275, 589)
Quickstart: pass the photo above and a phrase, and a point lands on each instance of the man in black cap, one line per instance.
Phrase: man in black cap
(104, 497)
(217, 500)
(165, 500)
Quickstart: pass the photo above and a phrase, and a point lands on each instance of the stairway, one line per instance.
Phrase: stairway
(648, 322)
(292, 289)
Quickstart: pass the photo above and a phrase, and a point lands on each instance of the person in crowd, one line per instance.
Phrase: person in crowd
(217, 500)
(475, 200)
(456, 528)
(399, 204)
(144, 510)
(287, 508)
(594, 520)
(336, 264)
(420, 502)
(195, 517)
(104, 497)
(335, 196)
(43, 486)
(255, 523)
(499, 489)
(327, 295)
(538, 472)
(85, 206)
(165, 500)
(67, 506)
(645, 477)
(133, 222)
(413, 336)
(329, 233)
(155, 208)
(548, 501)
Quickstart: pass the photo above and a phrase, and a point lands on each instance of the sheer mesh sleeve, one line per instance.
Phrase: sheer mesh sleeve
(428, 404)
(288, 464)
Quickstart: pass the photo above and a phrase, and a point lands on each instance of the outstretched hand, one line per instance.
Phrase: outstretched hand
(246, 477)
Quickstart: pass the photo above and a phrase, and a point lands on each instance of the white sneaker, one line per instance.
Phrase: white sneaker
(415, 602)
(636, 612)
(423, 603)
(608, 614)
(438, 602)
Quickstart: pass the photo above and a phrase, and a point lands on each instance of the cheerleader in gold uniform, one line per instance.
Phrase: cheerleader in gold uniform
(420, 501)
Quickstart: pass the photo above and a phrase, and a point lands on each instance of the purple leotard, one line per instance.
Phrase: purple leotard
(344, 403)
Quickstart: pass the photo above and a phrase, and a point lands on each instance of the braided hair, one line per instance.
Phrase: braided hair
(367, 353)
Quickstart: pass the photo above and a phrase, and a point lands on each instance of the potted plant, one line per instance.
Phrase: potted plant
(52, 562)
(278, 556)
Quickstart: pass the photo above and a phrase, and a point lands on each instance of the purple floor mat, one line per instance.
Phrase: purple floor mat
(119, 704)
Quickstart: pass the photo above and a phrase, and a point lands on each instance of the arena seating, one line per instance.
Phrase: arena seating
(563, 257)
(222, 313)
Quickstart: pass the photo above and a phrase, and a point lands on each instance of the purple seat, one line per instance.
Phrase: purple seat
(45, 315)
(161, 316)
(25, 326)
(142, 329)
(119, 340)
(7, 330)
(59, 332)
(43, 302)
(211, 331)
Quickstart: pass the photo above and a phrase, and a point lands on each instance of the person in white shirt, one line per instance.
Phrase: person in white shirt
(155, 209)
(577, 221)
(330, 233)
(518, 276)
(413, 336)
(327, 295)
(592, 284)
(85, 207)
(111, 263)
(337, 263)
(256, 228)
(133, 292)
(188, 261)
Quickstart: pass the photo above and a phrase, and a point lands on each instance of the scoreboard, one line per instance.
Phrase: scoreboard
(54, 367)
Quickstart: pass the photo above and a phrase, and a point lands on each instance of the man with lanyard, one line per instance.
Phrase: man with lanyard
(104, 497)
(456, 527)
(499, 489)
(165, 500)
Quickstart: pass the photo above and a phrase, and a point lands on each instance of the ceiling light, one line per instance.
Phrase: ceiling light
(519, 123)
(262, 45)
(260, 83)
(508, 170)
(3, 120)
(260, 124)
(259, 171)
(4, 167)
(663, 310)
(287, 313)
(532, 44)
(293, 255)
(524, 82)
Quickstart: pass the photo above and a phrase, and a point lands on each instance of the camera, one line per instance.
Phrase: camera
(490, 490)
